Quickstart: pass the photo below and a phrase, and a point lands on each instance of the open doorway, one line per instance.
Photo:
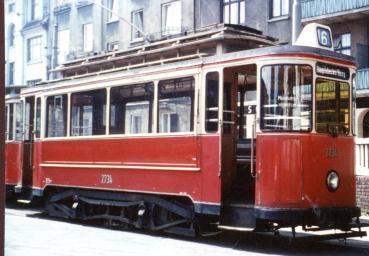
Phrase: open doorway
(238, 135)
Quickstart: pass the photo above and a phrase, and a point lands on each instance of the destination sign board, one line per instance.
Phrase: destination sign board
(334, 71)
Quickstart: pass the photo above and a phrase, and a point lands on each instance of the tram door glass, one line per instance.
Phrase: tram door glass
(38, 118)
(18, 121)
(28, 119)
(286, 98)
(6, 121)
(246, 111)
(212, 101)
(11, 122)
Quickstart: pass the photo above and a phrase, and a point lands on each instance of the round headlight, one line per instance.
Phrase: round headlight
(333, 181)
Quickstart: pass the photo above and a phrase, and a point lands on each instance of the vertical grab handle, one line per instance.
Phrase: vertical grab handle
(253, 136)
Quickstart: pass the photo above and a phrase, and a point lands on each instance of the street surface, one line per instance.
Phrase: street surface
(28, 232)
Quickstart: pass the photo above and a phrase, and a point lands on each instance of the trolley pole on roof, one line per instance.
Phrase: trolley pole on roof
(145, 35)
(296, 20)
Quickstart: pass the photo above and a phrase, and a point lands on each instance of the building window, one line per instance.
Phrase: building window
(113, 10)
(63, 45)
(56, 115)
(342, 43)
(61, 2)
(11, 73)
(33, 82)
(88, 43)
(280, 8)
(35, 10)
(88, 113)
(171, 18)
(11, 35)
(137, 21)
(11, 8)
(34, 49)
(112, 46)
(234, 11)
(131, 108)
(176, 99)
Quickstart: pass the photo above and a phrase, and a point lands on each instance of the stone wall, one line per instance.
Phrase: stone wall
(362, 193)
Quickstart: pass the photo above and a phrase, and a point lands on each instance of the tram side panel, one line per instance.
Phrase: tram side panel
(13, 163)
(293, 169)
(167, 165)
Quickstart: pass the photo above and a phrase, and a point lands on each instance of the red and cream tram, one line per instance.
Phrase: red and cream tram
(256, 139)
(13, 145)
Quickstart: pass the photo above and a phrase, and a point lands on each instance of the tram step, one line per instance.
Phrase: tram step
(237, 216)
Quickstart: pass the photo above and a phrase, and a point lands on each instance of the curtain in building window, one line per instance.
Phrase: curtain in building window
(171, 19)
(87, 38)
(113, 6)
(34, 48)
(137, 20)
(63, 45)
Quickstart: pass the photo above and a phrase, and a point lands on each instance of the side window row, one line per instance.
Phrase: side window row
(131, 110)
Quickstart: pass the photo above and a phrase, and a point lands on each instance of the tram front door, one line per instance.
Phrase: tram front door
(29, 135)
(238, 146)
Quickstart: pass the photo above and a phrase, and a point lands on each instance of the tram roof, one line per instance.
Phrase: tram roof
(273, 51)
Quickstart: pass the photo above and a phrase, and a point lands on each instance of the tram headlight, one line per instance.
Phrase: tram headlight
(333, 181)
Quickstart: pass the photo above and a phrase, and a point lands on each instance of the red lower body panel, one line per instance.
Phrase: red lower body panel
(177, 165)
(292, 171)
(13, 163)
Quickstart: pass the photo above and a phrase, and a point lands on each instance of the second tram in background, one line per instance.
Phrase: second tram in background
(194, 132)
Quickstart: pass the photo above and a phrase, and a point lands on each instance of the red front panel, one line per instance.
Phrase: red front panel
(173, 165)
(292, 170)
(13, 163)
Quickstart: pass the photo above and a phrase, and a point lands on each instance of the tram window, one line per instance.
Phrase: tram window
(88, 113)
(28, 119)
(212, 102)
(332, 106)
(131, 108)
(11, 122)
(227, 108)
(38, 118)
(18, 121)
(176, 100)
(286, 97)
(56, 116)
(6, 121)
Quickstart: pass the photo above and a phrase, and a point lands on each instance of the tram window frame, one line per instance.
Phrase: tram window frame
(120, 121)
(38, 118)
(52, 115)
(263, 89)
(6, 121)
(18, 114)
(170, 98)
(212, 102)
(336, 127)
(96, 108)
(11, 122)
(353, 104)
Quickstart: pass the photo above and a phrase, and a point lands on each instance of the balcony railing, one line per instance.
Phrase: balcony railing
(315, 8)
(362, 156)
(362, 79)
